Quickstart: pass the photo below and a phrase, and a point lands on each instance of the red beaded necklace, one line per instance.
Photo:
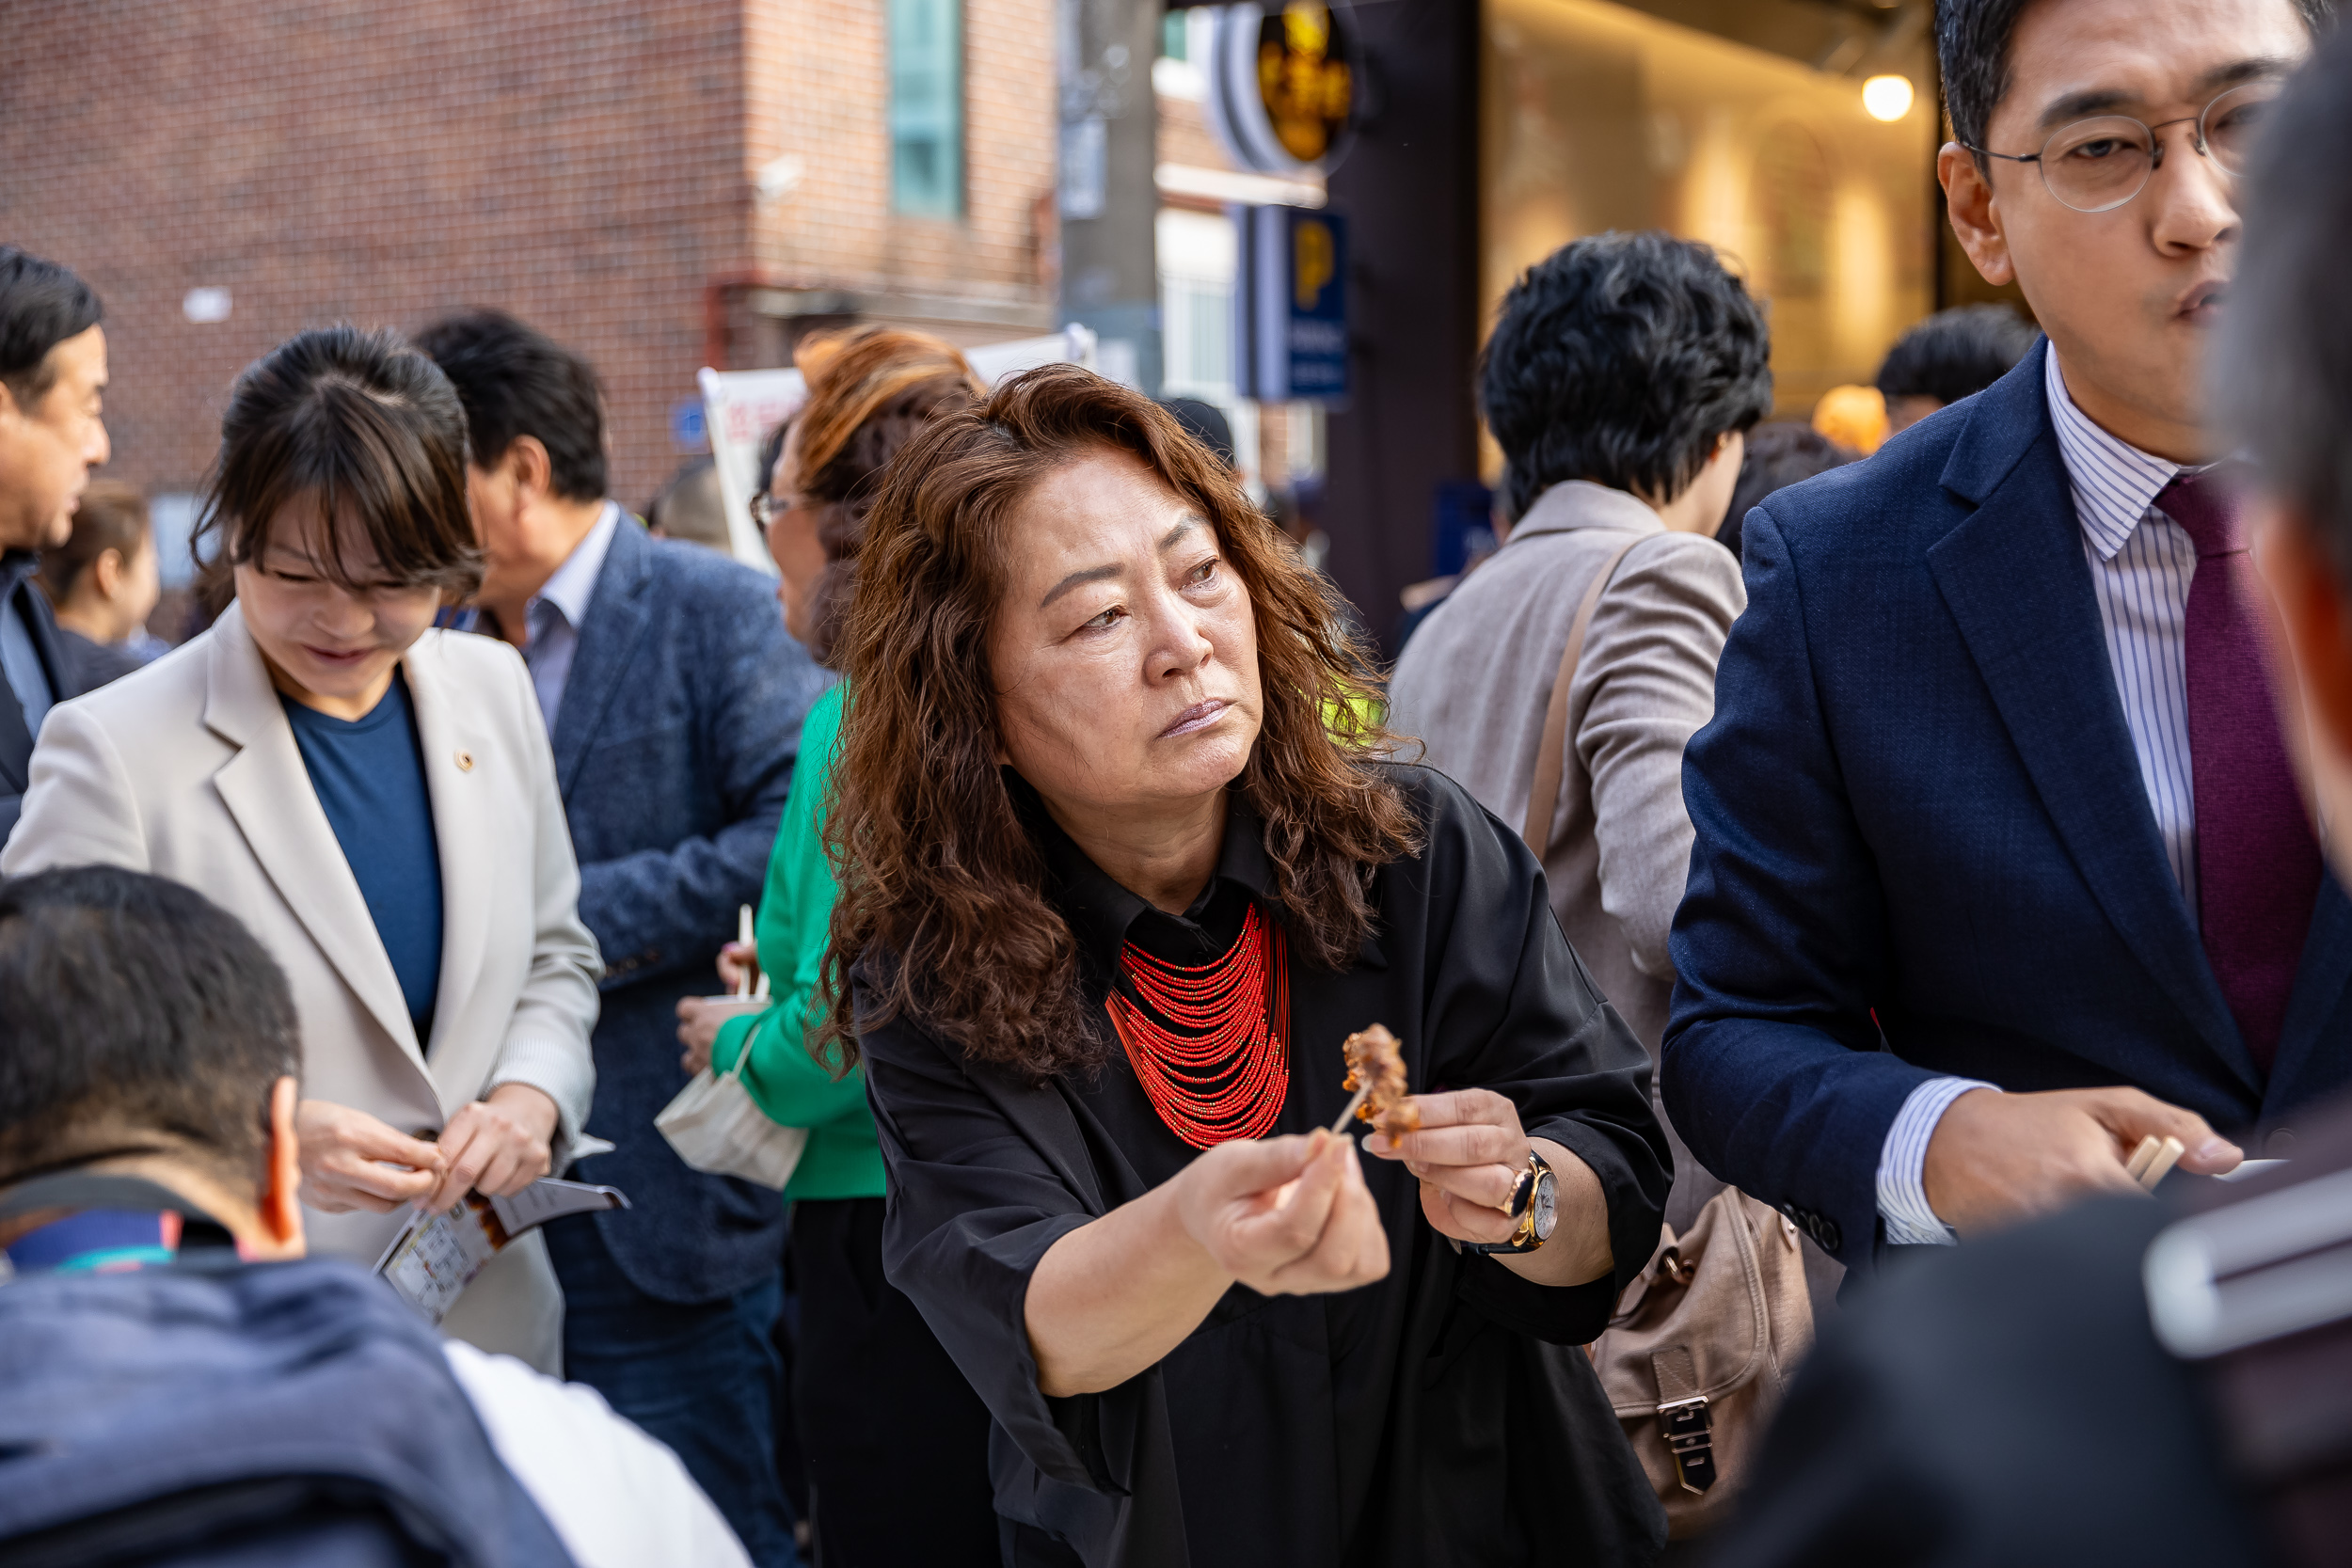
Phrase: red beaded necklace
(1226, 1075)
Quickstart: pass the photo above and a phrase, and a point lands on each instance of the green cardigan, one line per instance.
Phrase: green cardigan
(795, 918)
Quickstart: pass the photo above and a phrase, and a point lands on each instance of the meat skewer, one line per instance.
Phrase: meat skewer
(1376, 1071)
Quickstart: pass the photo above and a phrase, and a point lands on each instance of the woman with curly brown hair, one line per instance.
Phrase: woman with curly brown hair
(1122, 863)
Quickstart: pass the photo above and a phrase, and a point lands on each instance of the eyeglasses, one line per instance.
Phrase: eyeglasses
(2095, 165)
(765, 510)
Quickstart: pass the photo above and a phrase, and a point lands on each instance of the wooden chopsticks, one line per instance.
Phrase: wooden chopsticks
(2153, 1160)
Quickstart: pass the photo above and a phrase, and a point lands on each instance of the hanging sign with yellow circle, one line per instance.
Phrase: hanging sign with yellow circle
(1282, 85)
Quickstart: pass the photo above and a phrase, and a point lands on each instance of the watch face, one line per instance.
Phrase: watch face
(1547, 1206)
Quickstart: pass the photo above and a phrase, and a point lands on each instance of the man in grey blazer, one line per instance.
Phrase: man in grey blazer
(1620, 382)
(674, 698)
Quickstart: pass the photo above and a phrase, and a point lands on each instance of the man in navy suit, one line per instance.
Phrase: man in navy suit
(2000, 861)
(53, 370)
(673, 699)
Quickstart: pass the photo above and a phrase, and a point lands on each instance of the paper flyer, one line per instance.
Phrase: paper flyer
(436, 1255)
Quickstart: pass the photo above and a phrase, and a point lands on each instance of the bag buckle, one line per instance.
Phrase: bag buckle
(1689, 1432)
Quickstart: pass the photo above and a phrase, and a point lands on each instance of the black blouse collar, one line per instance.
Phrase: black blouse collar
(1101, 912)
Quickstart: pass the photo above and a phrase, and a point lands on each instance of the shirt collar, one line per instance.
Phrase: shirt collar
(1575, 504)
(573, 583)
(2115, 482)
(1100, 910)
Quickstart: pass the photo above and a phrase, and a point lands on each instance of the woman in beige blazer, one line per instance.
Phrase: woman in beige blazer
(192, 770)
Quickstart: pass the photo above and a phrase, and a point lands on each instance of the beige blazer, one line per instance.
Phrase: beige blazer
(1477, 676)
(188, 770)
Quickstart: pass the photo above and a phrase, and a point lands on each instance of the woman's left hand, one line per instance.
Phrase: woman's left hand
(1468, 1153)
(698, 1030)
(497, 1145)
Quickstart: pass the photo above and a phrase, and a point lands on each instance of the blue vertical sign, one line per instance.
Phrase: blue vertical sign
(1292, 313)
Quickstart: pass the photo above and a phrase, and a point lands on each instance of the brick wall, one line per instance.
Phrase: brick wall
(818, 96)
(589, 165)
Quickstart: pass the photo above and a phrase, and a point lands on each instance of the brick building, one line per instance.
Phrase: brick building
(657, 182)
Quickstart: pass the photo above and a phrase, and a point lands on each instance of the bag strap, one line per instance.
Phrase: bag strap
(1543, 795)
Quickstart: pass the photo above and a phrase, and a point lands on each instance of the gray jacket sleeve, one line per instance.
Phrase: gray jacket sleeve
(1645, 684)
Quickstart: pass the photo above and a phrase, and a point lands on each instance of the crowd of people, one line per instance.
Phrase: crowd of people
(1804, 891)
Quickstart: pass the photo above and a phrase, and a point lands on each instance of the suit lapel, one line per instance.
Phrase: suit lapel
(2016, 579)
(615, 625)
(267, 790)
(461, 826)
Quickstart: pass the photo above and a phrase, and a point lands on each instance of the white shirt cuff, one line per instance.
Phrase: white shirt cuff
(1903, 1184)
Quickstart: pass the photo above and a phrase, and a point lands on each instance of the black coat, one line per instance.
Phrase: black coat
(1440, 1416)
(2002, 1404)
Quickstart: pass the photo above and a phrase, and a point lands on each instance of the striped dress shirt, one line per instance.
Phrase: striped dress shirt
(2140, 564)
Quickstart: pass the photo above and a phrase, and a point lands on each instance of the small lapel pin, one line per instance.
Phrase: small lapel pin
(465, 761)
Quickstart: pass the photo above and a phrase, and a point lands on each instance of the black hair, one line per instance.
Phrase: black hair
(42, 305)
(1621, 359)
(1972, 40)
(1206, 423)
(362, 426)
(1956, 353)
(2283, 370)
(135, 1016)
(516, 380)
(1779, 453)
(770, 448)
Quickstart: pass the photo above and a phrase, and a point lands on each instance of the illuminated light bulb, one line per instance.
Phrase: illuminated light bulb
(1887, 98)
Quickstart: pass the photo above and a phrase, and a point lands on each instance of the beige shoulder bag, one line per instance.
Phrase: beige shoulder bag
(1706, 1337)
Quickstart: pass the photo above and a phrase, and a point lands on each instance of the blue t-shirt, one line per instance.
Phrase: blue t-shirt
(368, 775)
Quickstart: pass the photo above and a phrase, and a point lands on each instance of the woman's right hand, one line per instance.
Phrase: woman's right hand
(350, 1161)
(1286, 1216)
(738, 963)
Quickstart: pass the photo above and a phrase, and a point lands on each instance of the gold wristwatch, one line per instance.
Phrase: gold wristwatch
(1535, 1203)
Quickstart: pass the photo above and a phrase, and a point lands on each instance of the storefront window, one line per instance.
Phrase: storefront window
(1597, 116)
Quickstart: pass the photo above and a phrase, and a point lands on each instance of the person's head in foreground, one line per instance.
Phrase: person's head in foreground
(1634, 361)
(2094, 161)
(144, 1032)
(148, 1054)
(339, 503)
(1952, 354)
(2283, 384)
(104, 579)
(869, 393)
(1122, 864)
(53, 380)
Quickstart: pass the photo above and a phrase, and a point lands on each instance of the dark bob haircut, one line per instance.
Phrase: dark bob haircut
(1620, 359)
(363, 427)
(135, 1013)
(516, 380)
(42, 305)
(2283, 370)
(1956, 353)
(1972, 40)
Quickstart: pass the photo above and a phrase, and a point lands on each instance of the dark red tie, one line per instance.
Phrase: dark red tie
(2258, 865)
